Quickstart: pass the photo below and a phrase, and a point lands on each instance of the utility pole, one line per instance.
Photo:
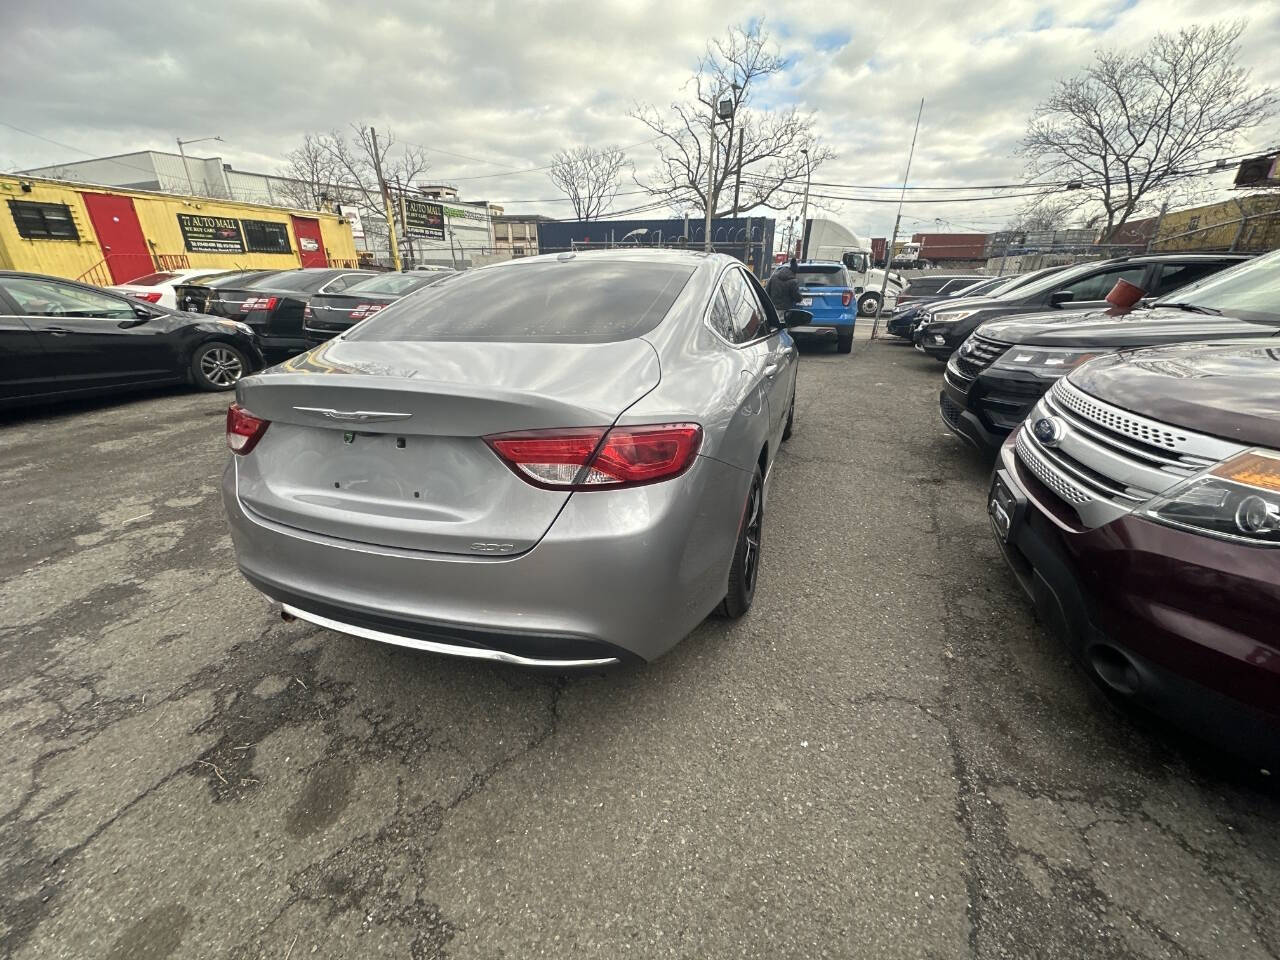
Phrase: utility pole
(404, 219)
(888, 254)
(804, 207)
(737, 181)
(711, 175)
(386, 201)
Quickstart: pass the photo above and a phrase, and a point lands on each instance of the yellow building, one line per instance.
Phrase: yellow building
(106, 235)
(1250, 224)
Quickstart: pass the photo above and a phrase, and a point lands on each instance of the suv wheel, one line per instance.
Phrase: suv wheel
(845, 343)
(746, 554)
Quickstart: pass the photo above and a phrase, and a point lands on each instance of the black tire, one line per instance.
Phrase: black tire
(868, 304)
(746, 553)
(218, 365)
(845, 343)
(791, 419)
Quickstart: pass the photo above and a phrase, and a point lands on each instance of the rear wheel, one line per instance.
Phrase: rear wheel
(845, 343)
(869, 304)
(746, 554)
(217, 366)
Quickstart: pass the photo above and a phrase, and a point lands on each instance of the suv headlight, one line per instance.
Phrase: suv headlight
(1237, 500)
(1048, 361)
(949, 316)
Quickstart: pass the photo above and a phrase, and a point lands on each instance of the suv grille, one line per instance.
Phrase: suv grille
(1109, 460)
(975, 355)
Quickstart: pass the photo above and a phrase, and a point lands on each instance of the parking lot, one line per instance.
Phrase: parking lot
(887, 757)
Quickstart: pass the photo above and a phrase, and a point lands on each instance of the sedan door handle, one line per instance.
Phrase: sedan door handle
(57, 331)
(771, 369)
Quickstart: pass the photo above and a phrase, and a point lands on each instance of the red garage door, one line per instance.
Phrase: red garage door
(124, 248)
(310, 243)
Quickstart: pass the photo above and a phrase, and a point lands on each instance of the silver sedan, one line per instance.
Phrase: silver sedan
(558, 461)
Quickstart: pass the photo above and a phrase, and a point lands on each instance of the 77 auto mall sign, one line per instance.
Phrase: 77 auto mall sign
(424, 220)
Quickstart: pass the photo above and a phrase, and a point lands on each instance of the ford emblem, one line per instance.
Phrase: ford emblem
(1048, 431)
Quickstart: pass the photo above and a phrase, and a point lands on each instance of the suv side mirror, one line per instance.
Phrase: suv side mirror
(797, 318)
(1059, 297)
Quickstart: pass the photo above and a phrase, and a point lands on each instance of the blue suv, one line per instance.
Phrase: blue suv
(830, 297)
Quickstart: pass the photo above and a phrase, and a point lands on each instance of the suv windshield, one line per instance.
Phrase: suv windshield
(821, 276)
(1250, 291)
(575, 301)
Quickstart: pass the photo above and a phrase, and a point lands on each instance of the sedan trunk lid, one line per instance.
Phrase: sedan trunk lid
(382, 442)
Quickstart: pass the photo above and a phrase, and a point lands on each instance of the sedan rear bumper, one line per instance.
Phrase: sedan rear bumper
(620, 575)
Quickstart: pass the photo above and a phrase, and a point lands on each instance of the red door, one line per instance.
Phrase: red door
(124, 248)
(310, 243)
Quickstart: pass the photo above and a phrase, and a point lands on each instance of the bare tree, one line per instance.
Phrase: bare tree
(341, 166)
(589, 177)
(1135, 126)
(313, 179)
(764, 146)
(1050, 212)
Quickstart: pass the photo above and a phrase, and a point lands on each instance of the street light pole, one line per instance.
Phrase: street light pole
(804, 207)
(191, 187)
(893, 239)
(711, 175)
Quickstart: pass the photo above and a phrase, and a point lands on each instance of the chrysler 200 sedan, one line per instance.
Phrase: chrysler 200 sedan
(559, 461)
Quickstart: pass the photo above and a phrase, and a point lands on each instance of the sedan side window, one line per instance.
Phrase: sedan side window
(748, 315)
(47, 298)
(721, 316)
(1098, 285)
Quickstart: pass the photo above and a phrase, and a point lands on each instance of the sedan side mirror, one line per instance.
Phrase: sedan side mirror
(797, 318)
(1060, 297)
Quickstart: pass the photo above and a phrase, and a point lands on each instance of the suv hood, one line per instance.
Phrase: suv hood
(1230, 390)
(1113, 330)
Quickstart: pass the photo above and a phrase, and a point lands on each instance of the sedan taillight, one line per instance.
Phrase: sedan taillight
(599, 458)
(148, 297)
(258, 303)
(244, 430)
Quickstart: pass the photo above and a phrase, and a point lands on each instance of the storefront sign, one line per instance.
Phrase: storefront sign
(308, 244)
(423, 220)
(211, 234)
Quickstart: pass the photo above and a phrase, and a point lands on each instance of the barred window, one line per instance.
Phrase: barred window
(266, 236)
(43, 221)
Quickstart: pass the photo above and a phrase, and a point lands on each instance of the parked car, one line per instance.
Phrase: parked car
(560, 460)
(328, 314)
(194, 294)
(1080, 287)
(998, 374)
(273, 305)
(935, 285)
(161, 288)
(62, 339)
(1008, 286)
(828, 295)
(903, 321)
(1139, 507)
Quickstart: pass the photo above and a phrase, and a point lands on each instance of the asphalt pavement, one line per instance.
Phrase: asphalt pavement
(888, 757)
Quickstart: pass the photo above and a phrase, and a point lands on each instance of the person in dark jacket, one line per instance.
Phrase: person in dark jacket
(784, 289)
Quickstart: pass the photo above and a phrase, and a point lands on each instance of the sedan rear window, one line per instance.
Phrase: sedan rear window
(396, 284)
(822, 276)
(301, 280)
(549, 301)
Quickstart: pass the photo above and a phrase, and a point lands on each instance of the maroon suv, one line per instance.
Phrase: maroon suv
(1139, 506)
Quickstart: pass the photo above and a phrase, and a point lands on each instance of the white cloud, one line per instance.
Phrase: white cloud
(511, 84)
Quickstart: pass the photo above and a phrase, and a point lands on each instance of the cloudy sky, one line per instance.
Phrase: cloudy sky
(494, 89)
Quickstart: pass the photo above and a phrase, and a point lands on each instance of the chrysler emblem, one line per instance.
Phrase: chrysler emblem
(355, 416)
(1048, 430)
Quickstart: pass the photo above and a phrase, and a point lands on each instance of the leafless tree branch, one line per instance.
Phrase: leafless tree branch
(589, 177)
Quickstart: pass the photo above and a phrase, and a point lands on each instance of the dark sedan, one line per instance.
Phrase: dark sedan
(328, 314)
(1083, 286)
(64, 339)
(273, 305)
